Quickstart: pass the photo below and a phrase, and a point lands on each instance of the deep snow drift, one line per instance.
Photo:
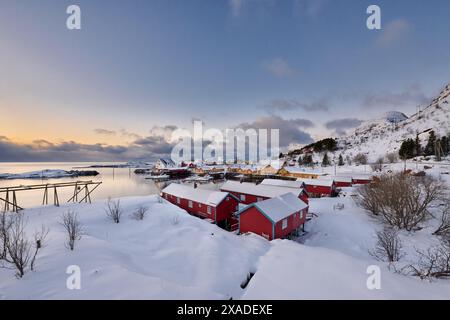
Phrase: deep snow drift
(172, 255)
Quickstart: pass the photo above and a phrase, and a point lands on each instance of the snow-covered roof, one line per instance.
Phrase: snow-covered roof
(300, 170)
(280, 207)
(283, 183)
(362, 177)
(208, 197)
(347, 179)
(258, 190)
(276, 164)
(317, 182)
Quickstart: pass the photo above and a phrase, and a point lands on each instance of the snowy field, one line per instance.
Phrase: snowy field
(172, 255)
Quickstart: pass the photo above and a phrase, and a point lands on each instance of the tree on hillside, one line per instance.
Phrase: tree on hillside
(360, 158)
(306, 160)
(341, 160)
(445, 145)
(407, 149)
(325, 161)
(429, 148)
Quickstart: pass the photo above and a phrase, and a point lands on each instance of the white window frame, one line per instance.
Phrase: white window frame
(284, 224)
(208, 209)
(190, 204)
(178, 200)
(242, 197)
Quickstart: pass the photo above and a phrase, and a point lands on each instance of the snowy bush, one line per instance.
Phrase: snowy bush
(402, 200)
(377, 165)
(360, 158)
(392, 157)
(39, 242)
(73, 227)
(140, 213)
(388, 246)
(433, 263)
(444, 226)
(16, 249)
(113, 210)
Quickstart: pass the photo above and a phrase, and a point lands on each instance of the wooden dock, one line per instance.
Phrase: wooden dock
(82, 190)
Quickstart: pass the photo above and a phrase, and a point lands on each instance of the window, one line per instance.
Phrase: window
(178, 200)
(190, 204)
(259, 199)
(208, 209)
(228, 199)
(242, 197)
(284, 224)
(199, 205)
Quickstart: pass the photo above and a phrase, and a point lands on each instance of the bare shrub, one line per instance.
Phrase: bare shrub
(73, 227)
(140, 213)
(392, 157)
(360, 158)
(377, 165)
(39, 242)
(402, 200)
(113, 210)
(18, 248)
(444, 226)
(433, 263)
(388, 246)
(5, 225)
(368, 198)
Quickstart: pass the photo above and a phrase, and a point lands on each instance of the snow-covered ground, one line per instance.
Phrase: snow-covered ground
(172, 255)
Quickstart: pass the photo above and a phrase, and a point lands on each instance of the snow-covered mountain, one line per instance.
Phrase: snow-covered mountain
(384, 135)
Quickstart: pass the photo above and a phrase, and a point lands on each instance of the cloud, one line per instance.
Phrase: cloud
(411, 96)
(340, 126)
(260, 6)
(310, 8)
(132, 135)
(236, 7)
(281, 105)
(290, 130)
(154, 146)
(105, 132)
(41, 150)
(392, 33)
(278, 67)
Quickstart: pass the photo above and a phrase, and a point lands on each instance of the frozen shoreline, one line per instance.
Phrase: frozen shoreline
(48, 174)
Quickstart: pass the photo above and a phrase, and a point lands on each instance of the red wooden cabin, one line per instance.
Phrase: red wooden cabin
(340, 181)
(249, 193)
(215, 205)
(361, 179)
(320, 187)
(274, 218)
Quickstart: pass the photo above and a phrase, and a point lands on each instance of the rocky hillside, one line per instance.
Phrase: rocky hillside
(378, 137)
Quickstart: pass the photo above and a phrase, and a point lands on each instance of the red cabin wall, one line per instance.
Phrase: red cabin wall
(201, 209)
(343, 184)
(304, 197)
(357, 181)
(294, 222)
(249, 198)
(252, 220)
(226, 208)
(319, 190)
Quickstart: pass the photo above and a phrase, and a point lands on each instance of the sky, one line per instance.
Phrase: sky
(138, 69)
